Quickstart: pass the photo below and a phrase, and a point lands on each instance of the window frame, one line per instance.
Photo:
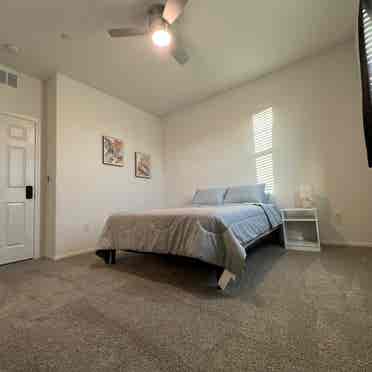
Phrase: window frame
(366, 76)
(270, 187)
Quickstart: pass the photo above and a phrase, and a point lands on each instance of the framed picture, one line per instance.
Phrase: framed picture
(113, 151)
(142, 165)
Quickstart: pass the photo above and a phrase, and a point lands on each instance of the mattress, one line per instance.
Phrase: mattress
(214, 234)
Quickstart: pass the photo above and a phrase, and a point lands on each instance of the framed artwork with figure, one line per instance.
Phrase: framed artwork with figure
(142, 165)
(113, 151)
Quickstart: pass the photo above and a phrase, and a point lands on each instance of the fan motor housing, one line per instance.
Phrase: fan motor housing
(156, 21)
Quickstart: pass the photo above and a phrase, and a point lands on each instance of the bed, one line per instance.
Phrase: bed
(216, 234)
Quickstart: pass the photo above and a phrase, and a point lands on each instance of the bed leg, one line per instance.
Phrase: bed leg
(219, 271)
(109, 256)
(281, 237)
(225, 279)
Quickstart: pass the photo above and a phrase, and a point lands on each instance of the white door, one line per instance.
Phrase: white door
(17, 184)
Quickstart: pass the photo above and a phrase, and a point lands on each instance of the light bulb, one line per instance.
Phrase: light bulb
(161, 38)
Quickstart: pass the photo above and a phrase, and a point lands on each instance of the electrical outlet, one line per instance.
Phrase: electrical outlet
(338, 217)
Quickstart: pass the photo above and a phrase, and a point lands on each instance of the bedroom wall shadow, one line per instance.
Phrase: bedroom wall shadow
(191, 275)
(260, 261)
(199, 278)
(327, 220)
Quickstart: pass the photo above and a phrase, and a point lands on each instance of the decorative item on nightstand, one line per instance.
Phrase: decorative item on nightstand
(306, 198)
(301, 229)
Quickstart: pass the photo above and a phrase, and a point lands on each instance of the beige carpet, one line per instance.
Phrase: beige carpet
(290, 312)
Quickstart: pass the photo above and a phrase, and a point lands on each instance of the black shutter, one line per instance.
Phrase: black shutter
(365, 51)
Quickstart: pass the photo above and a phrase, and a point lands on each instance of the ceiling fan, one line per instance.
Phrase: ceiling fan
(159, 18)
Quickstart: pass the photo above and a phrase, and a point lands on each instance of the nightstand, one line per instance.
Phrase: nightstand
(301, 229)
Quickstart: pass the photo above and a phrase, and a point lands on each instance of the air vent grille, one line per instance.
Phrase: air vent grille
(12, 80)
(9, 78)
(2, 77)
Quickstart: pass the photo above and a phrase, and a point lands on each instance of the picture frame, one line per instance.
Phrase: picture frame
(142, 165)
(112, 151)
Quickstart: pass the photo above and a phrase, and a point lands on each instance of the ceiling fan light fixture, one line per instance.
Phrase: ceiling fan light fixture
(157, 25)
(161, 38)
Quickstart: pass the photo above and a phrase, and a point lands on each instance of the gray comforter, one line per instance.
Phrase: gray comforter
(214, 234)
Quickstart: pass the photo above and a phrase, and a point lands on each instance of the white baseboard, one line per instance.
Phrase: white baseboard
(72, 253)
(346, 244)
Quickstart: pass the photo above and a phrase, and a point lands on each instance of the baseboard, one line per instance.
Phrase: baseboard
(72, 253)
(346, 244)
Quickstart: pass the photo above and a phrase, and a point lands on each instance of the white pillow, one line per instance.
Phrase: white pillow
(246, 194)
(209, 196)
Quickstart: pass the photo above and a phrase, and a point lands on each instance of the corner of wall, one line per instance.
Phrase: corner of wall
(49, 167)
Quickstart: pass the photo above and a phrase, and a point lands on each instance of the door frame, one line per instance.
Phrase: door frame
(37, 188)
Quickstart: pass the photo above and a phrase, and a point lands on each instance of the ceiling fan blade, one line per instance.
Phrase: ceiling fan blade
(127, 31)
(173, 9)
(179, 53)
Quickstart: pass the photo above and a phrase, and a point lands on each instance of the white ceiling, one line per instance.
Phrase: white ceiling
(229, 42)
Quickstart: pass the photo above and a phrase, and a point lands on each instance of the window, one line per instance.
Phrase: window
(263, 148)
(367, 44)
(365, 51)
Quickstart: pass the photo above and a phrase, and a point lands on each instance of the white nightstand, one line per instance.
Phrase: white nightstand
(301, 229)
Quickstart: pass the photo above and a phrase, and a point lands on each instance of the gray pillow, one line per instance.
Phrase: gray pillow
(246, 194)
(209, 196)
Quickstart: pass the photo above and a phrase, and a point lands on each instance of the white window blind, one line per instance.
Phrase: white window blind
(367, 29)
(365, 56)
(263, 147)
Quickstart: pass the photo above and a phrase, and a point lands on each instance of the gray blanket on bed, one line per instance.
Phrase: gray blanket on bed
(214, 234)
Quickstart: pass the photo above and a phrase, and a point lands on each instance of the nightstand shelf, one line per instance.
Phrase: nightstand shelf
(301, 229)
(300, 220)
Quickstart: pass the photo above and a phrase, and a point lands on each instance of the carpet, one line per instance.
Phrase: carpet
(290, 311)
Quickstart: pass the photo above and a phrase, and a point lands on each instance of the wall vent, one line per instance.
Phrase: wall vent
(12, 80)
(9, 78)
(3, 77)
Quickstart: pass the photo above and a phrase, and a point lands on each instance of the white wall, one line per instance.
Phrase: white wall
(82, 191)
(318, 140)
(25, 100)
(87, 191)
